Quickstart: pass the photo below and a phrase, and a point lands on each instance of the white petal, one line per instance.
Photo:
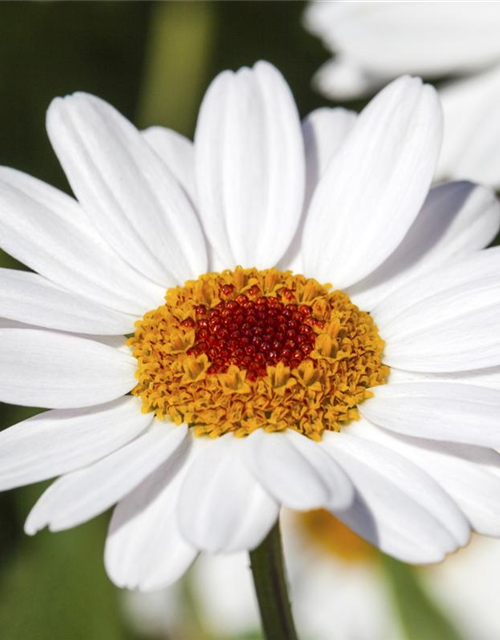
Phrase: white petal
(250, 166)
(489, 378)
(84, 494)
(126, 190)
(221, 506)
(153, 614)
(324, 132)
(375, 185)
(344, 79)
(60, 371)
(177, 152)
(144, 548)
(468, 270)
(31, 299)
(455, 467)
(457, 219)
(446, 321)
(398, 507)
(437, 410)
(297, 471)
(49, 232)
(57, 442)
(409, 37)
(223, 588)
(472, 128)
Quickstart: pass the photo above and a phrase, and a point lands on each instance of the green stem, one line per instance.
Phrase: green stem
(270, 586)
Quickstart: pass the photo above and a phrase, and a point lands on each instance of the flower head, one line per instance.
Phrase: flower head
(246, 382)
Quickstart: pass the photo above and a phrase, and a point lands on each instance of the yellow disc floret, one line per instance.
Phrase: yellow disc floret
(247, 349)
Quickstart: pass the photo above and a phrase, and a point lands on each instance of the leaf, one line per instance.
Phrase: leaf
(55, 586)
(420, 617)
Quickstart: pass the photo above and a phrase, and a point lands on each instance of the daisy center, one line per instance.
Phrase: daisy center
(247, 349)
(253, 332)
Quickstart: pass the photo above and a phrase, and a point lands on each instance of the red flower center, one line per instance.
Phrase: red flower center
(252, 332)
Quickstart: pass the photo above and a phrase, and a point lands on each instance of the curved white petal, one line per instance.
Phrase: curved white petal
(79, 496)
(31, 299)
(375, 185)
(127, 191)
(221, 506)
(177, 152)
(61, 371)
(249, 166)
(297, 471)
(324, 131)
(391, 38)
(228, 606)
(468, 270)
(144, 547)
(398, 507)
(56, 442)
(457, 468)
(49, 232)
(342, 78)
(154, 614)
(472, 128)
(450, 330)
(456, 219)
(489, 378)
(437, 410)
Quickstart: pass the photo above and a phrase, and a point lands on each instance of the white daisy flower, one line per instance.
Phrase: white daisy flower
(243, 389)
(375, 42)
(336, 582)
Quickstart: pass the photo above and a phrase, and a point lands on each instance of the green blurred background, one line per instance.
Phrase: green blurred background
(153, 61)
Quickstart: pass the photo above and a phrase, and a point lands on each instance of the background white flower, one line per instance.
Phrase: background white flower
(375, 42)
